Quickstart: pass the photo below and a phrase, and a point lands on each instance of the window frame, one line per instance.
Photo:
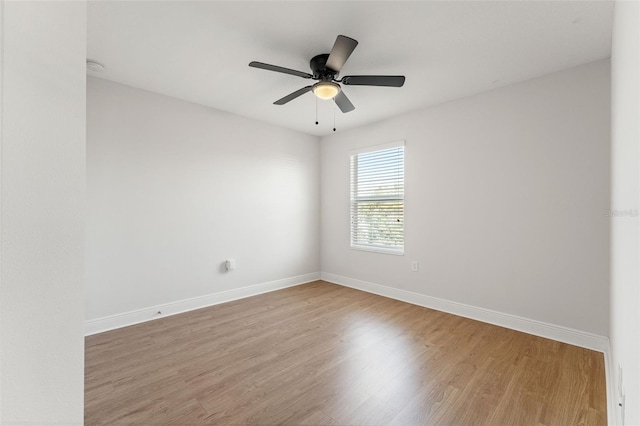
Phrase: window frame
(354, 199)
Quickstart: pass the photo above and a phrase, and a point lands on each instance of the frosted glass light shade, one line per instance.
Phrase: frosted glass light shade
(326, 89)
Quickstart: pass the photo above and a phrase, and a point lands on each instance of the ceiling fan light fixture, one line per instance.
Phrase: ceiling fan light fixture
(326, 90)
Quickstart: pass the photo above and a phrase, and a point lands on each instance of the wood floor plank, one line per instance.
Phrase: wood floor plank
(326, 354)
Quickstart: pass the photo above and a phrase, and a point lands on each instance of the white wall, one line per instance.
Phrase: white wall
(42, 242)
(505, 204)
(175, 188)
(625, 195)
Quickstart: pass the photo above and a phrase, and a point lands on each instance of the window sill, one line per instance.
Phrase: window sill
(381, 250)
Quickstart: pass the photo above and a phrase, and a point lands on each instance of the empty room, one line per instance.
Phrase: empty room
(390, 213)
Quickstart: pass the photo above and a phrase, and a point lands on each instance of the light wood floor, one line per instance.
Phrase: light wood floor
(324, 354)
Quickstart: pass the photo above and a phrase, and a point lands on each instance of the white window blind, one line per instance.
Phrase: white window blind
(377, 199)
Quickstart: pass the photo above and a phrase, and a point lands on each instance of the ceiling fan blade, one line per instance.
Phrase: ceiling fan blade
(276, 68)
(374, 80)
(342, 49)
(343, 102)
(293, 95)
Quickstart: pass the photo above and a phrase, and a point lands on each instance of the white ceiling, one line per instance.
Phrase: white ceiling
(199, 51)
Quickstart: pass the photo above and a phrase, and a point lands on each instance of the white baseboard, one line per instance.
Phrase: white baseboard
(526, 325)
(112, 322)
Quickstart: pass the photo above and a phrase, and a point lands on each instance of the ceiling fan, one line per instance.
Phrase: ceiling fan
(325, 68)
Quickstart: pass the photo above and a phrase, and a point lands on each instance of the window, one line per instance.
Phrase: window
(377, 198)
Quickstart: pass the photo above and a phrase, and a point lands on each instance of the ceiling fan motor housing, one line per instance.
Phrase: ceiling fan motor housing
(320, 71)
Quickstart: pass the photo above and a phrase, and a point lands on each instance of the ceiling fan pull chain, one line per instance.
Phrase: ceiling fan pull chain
(316, 111)
(334, 118)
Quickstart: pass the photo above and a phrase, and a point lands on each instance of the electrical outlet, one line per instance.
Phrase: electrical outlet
(414, 266)
(230, 264)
